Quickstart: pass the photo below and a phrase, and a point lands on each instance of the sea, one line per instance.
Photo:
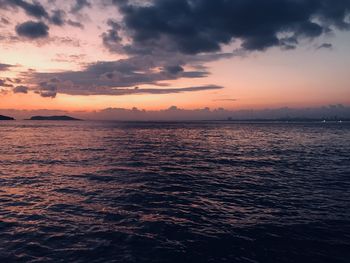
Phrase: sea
(182, 192)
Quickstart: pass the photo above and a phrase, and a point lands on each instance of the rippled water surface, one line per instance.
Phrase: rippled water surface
(174, 192)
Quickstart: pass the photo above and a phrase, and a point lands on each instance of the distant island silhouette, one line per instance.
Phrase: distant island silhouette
(6, 118)
(53, 118)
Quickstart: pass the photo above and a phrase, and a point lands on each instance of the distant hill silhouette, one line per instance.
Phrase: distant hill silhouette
(53, 118)
(6, 118)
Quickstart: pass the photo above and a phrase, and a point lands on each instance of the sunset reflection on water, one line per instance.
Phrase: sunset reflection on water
(140, 192)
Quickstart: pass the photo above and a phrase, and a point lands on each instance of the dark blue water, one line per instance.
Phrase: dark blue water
(174, 192)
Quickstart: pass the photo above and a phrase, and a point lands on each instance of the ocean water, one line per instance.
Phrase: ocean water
(174, 192)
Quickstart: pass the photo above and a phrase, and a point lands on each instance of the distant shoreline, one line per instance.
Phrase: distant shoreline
(53, 118)
(229, 120)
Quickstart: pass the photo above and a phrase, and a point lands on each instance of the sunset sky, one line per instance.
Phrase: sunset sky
(88, 55)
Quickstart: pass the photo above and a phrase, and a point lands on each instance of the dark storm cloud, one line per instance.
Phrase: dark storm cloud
(34, 9)
(32, 30)
(79, 5)
(195, 26)
(20, 89)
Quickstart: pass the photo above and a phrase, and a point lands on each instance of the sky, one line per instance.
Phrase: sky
(93, 55)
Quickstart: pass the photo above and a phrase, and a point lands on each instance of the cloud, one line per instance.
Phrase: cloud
(74, 42)
(21, 89)
(115, 78)
(15, 80)
(75, 24)
(325, 46)
(107, 77)
(32, 30)
(5, 67)
(111, 39)
(4, 21)
(57, 17)
(188, 33)
(5, 84)
(75, 58)
(166, 40)
(225, 100)
(48, 89)
(121, 76)
(37, 10)
(79, 5)
(174, 70)
(34, 9)
(196, 26)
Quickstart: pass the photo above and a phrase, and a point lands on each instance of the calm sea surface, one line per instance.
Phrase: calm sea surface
(174, 192)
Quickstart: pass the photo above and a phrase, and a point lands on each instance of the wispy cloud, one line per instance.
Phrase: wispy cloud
(325, 46)
(225, 100)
